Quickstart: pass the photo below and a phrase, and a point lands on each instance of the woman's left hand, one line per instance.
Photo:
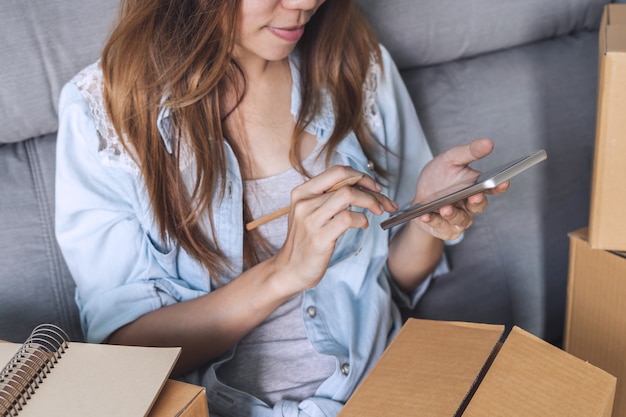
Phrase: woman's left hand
(449, 222)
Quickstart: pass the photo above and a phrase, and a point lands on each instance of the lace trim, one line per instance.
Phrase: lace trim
(370, 108)
(371, 113)
(111, 150)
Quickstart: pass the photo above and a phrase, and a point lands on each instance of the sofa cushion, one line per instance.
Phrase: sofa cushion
(39, 52)
(444, 30)
(35, 285)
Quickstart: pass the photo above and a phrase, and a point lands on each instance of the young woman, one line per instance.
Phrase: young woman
(203, 115)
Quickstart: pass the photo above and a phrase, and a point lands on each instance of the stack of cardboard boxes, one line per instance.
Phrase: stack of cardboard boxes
(596, 313)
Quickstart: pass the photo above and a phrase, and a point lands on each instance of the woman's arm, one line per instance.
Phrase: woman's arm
(413, 255)
(209, 325)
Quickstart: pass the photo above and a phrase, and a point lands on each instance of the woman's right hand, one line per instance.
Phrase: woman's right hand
(318, 217)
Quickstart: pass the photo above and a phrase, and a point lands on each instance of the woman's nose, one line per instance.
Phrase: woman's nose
(303, 4)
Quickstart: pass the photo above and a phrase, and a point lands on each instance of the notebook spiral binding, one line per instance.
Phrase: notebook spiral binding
(28, 368)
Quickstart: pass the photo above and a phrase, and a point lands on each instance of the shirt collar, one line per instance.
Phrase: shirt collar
(322, 125)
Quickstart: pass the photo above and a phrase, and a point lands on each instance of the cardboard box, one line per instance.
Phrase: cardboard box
(595, 329)
(179, 399)
(436, 368)
(607, 230)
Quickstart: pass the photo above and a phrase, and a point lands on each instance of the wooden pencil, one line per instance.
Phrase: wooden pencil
(284, 210)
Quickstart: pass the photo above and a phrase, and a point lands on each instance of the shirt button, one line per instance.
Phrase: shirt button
(345, 369)
(370, 165)
(311, 311)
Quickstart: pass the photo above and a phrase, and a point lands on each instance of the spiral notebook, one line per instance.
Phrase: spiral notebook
(49, 376)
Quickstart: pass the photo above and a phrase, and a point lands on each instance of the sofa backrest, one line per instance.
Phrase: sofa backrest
(447, 51)
(421, 33)
(44, 43)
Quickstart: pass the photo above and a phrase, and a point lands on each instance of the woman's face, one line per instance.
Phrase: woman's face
(270, 29)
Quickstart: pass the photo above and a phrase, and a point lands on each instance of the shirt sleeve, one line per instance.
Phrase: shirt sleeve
(120, 273)
(402, 299)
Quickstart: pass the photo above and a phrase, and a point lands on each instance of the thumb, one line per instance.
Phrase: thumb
(466, 154)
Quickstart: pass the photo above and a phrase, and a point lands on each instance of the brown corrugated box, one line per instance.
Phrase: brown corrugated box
(179, 399)
(607, 230)
(595, 328)
(437, 368)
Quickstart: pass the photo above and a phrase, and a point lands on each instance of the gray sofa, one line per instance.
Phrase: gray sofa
(522, 72)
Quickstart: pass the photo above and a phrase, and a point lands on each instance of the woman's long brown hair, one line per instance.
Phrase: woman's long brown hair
(178, 54)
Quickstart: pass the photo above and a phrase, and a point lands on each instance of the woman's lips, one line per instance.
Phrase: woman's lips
(288, 34)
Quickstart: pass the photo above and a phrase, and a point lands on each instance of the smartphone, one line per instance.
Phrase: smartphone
(457, 192)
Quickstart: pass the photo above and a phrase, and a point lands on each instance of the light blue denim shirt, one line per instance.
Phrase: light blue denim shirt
(123, 270)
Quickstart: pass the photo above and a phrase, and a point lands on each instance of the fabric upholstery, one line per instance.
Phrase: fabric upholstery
(43, 44)
(419, 33)
(35, 286)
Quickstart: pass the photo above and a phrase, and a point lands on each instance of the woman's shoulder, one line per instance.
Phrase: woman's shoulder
(89, 76)
(89, 84)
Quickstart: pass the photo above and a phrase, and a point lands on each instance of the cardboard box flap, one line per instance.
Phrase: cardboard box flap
(530, 377)
(180, 399)
(612, 36)
(608, 190)
(581, 233)
(616, 16)
(615, 39)
(432, 366)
